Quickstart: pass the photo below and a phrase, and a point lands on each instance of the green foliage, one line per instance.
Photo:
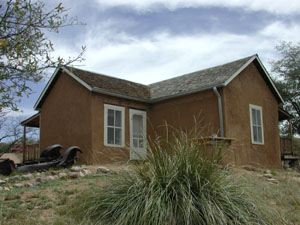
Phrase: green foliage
(181, 182)
(288, 70)
(25, 51)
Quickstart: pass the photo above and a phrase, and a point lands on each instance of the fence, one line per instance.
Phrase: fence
(286, 146)
(32, 153)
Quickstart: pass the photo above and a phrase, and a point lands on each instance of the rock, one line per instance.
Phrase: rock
(3, 182)
(87, 172)
(62, 175)
(38, 174)
(18, 185)
(50, 178)
(37, 183)
(268, 175)
(6, 189)
(30, 176)
(1, 188)
(102, 169)
(73, 175)
(81, 174)
(272, 180)
(75, 169)
(41, 180)
(17, 177)
(249, 168)
(28, 185)
(55, 177)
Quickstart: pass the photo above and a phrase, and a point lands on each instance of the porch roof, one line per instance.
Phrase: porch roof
(283, 115)
(33, 121)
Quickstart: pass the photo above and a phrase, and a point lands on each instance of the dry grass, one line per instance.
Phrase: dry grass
(49, 203)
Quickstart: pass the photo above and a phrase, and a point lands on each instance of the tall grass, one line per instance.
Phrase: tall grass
(181, 182)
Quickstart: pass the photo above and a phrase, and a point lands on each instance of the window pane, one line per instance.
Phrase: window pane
(258, 117)
(141, 143)
(137, 126)
(259, 134)
(254, 121)
(110, 135)
(135, 143)
(118, 119)
(255, 138)
(110, 117)
(118, 138)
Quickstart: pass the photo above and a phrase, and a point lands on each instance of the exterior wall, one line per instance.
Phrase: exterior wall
(250, 88)
(99, 152)
(66, 116)
(181, 113)
(72, 115)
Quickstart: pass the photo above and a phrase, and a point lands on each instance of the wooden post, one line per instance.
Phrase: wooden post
(24, 144)
(291, 135)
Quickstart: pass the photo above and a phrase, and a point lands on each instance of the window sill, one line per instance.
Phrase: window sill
(114, 146)
(257, 143)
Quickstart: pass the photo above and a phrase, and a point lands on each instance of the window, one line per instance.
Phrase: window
(114, 125)
(256, 123)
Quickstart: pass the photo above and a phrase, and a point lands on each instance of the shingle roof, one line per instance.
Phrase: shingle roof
(196, 81)
(189, 83)
(112, 84)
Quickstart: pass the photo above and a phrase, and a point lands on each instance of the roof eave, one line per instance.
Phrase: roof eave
(186, 93)
(103, 91)
(281, 101)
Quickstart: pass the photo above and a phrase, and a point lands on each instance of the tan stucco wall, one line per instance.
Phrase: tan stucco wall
(250, 88)
(72, 115)
(66, 116)
(100, 152)
(181, 113)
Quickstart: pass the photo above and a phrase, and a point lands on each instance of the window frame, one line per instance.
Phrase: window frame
(115, 108)
(259, 108)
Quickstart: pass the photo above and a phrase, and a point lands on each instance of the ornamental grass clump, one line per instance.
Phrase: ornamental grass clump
(180, 182)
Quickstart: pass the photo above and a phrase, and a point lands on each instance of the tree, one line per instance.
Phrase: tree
(288, 71)
(25, 51)
(11, 132)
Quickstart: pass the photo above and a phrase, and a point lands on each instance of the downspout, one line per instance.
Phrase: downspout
(220, 111)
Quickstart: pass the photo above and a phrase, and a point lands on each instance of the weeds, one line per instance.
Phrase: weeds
(181, 182)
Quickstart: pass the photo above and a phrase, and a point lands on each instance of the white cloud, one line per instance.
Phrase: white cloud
(23, 112)
(163, 55)
(278, 6)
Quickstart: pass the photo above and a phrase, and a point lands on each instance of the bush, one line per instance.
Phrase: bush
(179, 183)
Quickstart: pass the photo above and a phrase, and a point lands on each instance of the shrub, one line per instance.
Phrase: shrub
(181, 182)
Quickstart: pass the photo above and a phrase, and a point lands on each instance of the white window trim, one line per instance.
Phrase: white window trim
(259, 108)
(119, 108)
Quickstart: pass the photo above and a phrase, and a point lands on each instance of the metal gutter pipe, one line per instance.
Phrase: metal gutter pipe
(220, 111)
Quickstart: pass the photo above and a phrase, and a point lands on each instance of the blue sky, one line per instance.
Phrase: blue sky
(147, 41)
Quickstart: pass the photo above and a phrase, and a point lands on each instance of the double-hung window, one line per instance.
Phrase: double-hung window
(114, 125)
(256, 123)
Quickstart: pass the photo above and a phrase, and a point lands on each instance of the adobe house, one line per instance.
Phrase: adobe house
(105, 116)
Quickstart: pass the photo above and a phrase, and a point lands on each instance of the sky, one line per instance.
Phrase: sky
(146, 41)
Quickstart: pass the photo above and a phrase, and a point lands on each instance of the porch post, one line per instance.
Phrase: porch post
(291, 135)
(24, 144)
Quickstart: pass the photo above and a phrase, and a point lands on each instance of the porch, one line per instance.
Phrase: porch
(31, 152)
(288, 156)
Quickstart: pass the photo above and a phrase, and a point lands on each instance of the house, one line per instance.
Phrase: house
(104, 115)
